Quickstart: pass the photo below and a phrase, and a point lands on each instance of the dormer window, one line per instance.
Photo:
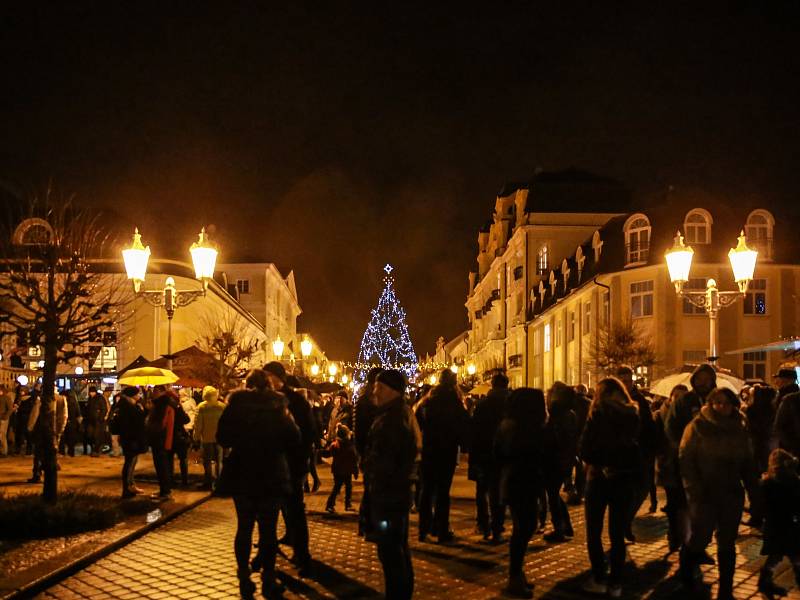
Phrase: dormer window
(542, 260)
(637, 240)
(758, 231)
(697, 227)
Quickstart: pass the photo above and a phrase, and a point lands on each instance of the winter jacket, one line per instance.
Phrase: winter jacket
(301, 412)
(560, 433)
(443, 421)
(648, 435)
(760, 425)
(792, 388)
(345, 460)
(364, 415)
(96, 409)
(59, 414)
(262, 436)
(781, 516)
(581, 405)
(129, 420)
(520, 453)
(391, 456)
(165, 424)
(787, 423)
(207, 420)
(716, 458)
(680, 413)
(485, 421)
(610, 442)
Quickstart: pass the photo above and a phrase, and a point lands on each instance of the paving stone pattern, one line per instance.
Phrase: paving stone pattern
(192, 557)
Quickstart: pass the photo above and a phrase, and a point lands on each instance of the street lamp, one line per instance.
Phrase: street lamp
(454, 369)
(277, 347)
(204, 259)
(471, 369)
(314, 370)
(306, 347)
(743, 264)
(332, 369)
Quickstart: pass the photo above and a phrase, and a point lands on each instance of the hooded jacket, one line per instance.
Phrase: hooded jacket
(207, 420)
(609, 444)
(443, 421)
(716, 457)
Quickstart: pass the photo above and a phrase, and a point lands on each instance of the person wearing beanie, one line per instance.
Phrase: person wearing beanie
(205, 434)
(128, 422)
(391, 454)
(294, 510)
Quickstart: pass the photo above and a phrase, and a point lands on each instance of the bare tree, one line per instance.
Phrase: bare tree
(60, 290)
(622, 344)
(230, 342)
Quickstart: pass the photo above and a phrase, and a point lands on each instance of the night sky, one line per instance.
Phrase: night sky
(333, 143)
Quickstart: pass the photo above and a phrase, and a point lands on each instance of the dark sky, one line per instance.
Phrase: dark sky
(332, 143)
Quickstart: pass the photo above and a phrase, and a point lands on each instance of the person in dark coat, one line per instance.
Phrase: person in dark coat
(482, 467)
(610, 448)
(648, 438)
(561, 443)
(96, 410)
(787, 423)
(443, 421)
(786, 382)
(363, 417)
(24, 405)
(780, 488)
(160, 427)
(294, 509)
(72, 431)
(717, 465)
(668, 474)
(391, 456)
(128, 421)
(576, 486)
(761, 424)
(262, 436)
(344, 467)
(181, 441)
(520, 451)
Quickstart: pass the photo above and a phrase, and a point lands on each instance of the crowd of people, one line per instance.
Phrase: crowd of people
(717, 454)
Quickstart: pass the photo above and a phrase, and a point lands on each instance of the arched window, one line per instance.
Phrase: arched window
(33, 232)
(637, 239)
(542, 261)
(697, 226)
(758, 231)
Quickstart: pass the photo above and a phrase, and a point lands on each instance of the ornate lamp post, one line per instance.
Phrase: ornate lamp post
(204, 259)
(277, 347)
(743, 264)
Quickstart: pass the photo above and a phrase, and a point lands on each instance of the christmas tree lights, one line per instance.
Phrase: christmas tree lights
(386, 341)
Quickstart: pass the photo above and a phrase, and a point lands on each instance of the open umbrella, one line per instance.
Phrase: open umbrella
(148, 376)
(480, 389)
(663, 387)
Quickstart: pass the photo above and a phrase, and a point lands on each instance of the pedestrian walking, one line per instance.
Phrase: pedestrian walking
(205, 434)
(717, 464)
(443, 421)
(390, 458)
(561, 444)
(576, 485)
(39, 434)
(610, 448)
(520, 452)
(128, 422)
(781, 493)
(344, 467)
(483, 468)
(161, 424)
(761, 424)
(668, 473)
(363, 416)
(294, 510)
(262, 437)
(6, 410)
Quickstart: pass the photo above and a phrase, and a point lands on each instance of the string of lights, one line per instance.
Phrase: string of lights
(386, 342)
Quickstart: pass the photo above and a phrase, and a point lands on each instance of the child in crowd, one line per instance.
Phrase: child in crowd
(781, 489)
(344, 467)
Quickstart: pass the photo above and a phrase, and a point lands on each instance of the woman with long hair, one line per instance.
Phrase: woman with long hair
(519, 449)
(610, 449)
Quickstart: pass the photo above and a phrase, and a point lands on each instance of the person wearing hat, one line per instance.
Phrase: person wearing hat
(392, 451)
(786, 382)
(205, 433)
(294, 510)
(128, 422)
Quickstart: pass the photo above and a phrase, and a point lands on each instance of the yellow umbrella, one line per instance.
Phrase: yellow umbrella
(148, 376)
(480, 390)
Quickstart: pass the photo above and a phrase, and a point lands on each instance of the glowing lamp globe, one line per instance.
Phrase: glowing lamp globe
(679, 261)
(78, 370)
(306, 347)
(204, 257)
(454, 369)
(315, 369)
(433, 380)
(471, 369)
(743, 263)
(333, 369)
(277, 346)
(136, 258)
(344, 379)
(22, 380)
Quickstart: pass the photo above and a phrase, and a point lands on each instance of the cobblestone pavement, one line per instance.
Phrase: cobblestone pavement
(192, 557)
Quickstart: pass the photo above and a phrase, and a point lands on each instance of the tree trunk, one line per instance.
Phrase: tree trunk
(46, 434)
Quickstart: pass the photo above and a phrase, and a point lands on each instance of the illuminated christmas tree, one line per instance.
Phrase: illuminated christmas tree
(386, 342)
